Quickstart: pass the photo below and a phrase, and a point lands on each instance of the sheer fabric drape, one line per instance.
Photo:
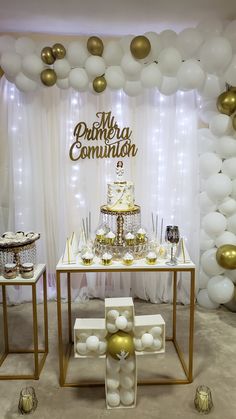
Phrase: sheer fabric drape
(43, 190)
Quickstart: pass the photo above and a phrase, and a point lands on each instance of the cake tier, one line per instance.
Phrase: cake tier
(120, 196)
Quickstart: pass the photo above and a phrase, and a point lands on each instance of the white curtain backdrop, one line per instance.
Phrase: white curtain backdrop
(43, 190)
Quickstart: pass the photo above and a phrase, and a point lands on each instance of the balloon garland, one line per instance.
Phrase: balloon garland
(218, 204)
(200, 58)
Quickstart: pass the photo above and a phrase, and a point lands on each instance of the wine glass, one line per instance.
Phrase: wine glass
(172, 237)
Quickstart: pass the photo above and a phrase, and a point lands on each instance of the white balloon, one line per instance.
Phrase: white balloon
(209, 164)
(7, 44)
(218, 187)
(210, 27)
(151, 76)
(190, 75)
(156, 44)
(128, 366)
(125, 42)
(11, 63)
(112, 314)
(169, 61)
(206, 242)
(204, 300)
(212, 87)
(226, 147)
(24, 46)
(112, 383)
(126, 381)
(102, 347)
(231, 274)
(157, 344)
(221, 125)
(95, 66)
(168, 38)
(130, 66)
(225, 238)
(126, 397)
(189, 42)
(113, 53)
(233, 193)
(207, 111)
(216, 54)
(230, 33)
(156, 331)
(214, 223)
(206, 140)
(138, 344)
(229, 167)
(231, 224)
(220, 289)
(24, 83)
(76, 54)
(62, 68)
(81, 348)
(113, 398)
(147, 340)
(113, 366)
(32, 66)
(78, 79)
(169, 85)
(209, 263)
(115, 77)
(203, 279)
(92, 343)
(63, 83)
(206, 205)
(230, 73)
(133, 88)
(121, 322)
(228, 206)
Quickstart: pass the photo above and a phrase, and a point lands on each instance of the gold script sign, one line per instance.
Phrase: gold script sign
(105, 139)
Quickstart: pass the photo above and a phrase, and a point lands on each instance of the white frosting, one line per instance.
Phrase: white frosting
(141, 231)
(151, 255)
(110, 235)
(120, 196)
(128, 256)
(106, 256)
(87, 255)
(100, 232)
(129, 236)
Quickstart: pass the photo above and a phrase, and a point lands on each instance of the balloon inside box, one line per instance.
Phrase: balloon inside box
(116, 338)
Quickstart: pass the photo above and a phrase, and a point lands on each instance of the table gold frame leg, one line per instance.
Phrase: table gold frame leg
(5, 325)
(59, 323)
(35, 333)
(174, 305)
(191, 325)
(69, 308)
(45, 311)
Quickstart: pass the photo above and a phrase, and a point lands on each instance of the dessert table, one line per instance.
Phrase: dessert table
(66, 347)
(39, 271)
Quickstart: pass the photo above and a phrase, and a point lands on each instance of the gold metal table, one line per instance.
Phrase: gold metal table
(65, 348)
(40, 270)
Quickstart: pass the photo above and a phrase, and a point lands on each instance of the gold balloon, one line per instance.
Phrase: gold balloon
(99, 84)
(58, 51)
(1, 72)
(47, 55)
(234, 122)
(226, 256)
(226, 103)
(48, 77)
(140, 47)
(120, 345)
(95, 45)
(232, 89)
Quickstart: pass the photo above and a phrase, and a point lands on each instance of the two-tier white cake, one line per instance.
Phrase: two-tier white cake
(120, 196)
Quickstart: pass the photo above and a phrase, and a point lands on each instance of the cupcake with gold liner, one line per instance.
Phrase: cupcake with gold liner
(110, 238)
(129, 239)
(106, 258)
(141, 236)
(151, 257)
(128, 258)
(87, 257)
(100, 235)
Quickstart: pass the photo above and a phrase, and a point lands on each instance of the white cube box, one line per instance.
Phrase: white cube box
(90, 338)
(149, 334)
(119, 314)
(121, 383)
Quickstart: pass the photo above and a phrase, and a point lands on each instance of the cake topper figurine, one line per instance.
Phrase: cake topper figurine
(119, 171)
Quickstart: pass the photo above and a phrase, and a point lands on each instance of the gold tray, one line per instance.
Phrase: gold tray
(134, 210)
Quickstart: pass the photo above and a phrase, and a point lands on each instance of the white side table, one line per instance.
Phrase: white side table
(40, 270)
